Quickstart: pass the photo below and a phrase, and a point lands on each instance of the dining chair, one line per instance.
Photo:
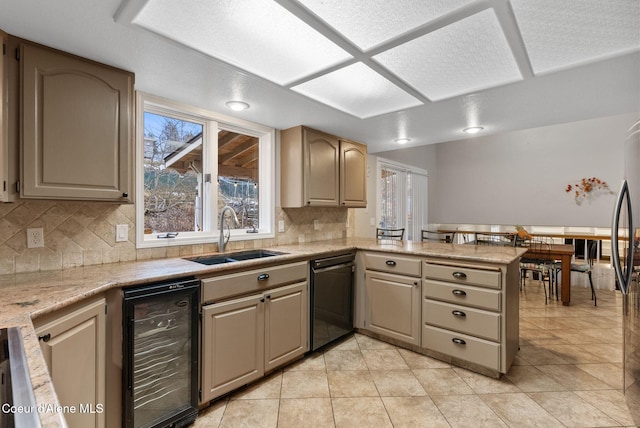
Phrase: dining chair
(503, 239)
(428, 235)
(397, 234)
(585, 268)
(539, 263)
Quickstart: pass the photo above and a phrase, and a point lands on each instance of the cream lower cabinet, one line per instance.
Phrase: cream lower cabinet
(73, 345)
(470, 312)
(393, 294)
(248, 336)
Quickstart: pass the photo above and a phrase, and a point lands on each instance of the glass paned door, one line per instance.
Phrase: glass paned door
(402, 199)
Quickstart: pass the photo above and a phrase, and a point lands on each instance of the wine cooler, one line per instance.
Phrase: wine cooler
(160, 361)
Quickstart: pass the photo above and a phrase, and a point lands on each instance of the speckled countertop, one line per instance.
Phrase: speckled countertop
(29, 295)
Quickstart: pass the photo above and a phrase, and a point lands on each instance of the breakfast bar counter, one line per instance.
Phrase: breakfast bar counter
(30, 295)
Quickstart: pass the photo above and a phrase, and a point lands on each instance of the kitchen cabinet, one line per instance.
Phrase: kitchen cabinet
(393, 294)
(319, 169)
(4, 119)
(73, 345)
(353, 168)
(470, 312)
(76, 127)
(247, 336)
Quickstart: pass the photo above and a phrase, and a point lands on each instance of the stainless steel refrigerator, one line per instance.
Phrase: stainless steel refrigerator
(625, 244)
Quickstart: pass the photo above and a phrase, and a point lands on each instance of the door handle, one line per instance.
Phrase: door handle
(459, 314)
(263, 277)
(390, 263)
(459, 292)
(458, 341)
(459, 275)
(624, 279)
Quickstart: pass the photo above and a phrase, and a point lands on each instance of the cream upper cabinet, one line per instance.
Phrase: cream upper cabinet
(77, 127)
(353, 171)
(73, 345)
(4, 119)
(319, 169)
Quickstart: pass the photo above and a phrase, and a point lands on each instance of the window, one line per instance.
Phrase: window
(402, 198)
(192, 163)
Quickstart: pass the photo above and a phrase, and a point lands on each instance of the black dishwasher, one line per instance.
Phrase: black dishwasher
(331, 298)
(160, 373)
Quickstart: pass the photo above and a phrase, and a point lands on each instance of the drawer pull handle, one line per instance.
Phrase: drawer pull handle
(390, 262)
(45, 337)
(459, 313)
(459, 293)
(459, 275)
(458, 341)
(263, 277)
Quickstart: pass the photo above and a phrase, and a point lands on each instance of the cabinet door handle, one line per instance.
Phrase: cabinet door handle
(45, 337)
(458, 341)
(125, 195)
(459, 292)
(263, 277)
(390, 263)
(415, 283)
(268, 296)
(458, 313)
(262, 300)
(459, 275)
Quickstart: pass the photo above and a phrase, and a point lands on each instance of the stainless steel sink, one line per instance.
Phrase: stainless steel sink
(233, 257)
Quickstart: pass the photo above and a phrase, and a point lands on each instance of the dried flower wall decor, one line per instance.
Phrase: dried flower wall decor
(588, 188)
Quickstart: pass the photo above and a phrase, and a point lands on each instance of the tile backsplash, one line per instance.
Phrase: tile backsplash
(83, 233)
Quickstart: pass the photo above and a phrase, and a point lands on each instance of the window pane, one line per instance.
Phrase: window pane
(238, 178)
(390, 208)
(172, 174)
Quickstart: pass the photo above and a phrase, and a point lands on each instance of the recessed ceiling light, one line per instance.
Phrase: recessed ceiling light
(237, 105)
(402, 140)
(473, 129)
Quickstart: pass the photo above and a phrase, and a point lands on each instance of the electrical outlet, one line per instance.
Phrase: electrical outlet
(280, 225)
(316, 225)
(122, 232)
(35, 238)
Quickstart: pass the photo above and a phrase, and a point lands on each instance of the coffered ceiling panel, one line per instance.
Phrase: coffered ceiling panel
(259, 36)
(357, 90)
(563, 34)
(367, 23)
(468, 55)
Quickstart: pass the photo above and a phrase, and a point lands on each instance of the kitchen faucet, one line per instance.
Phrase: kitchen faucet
(221, 241)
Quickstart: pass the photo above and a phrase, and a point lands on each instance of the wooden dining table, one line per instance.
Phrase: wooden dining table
(564, 253)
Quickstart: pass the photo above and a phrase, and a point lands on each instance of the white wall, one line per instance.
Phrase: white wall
(520, 177)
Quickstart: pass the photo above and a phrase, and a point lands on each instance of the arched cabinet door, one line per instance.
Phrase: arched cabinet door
(353, 172)
(319, 169)
(322, 175)
(77, 127)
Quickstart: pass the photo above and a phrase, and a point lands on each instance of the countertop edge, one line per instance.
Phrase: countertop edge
(50, 291)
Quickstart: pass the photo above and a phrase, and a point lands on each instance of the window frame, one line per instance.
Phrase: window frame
(211, 122)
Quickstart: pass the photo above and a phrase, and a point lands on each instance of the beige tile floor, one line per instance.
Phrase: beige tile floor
(568, 373)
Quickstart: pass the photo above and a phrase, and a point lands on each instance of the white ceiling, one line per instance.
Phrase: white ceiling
(370, 70)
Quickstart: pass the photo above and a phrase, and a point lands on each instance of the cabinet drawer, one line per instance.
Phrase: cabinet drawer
(462, 294)
(393, 263)
(463, 275)
(461, 346)
(463, 319)
(224, 286)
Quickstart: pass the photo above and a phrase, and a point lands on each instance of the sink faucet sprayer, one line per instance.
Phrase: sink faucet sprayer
(221, 241)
